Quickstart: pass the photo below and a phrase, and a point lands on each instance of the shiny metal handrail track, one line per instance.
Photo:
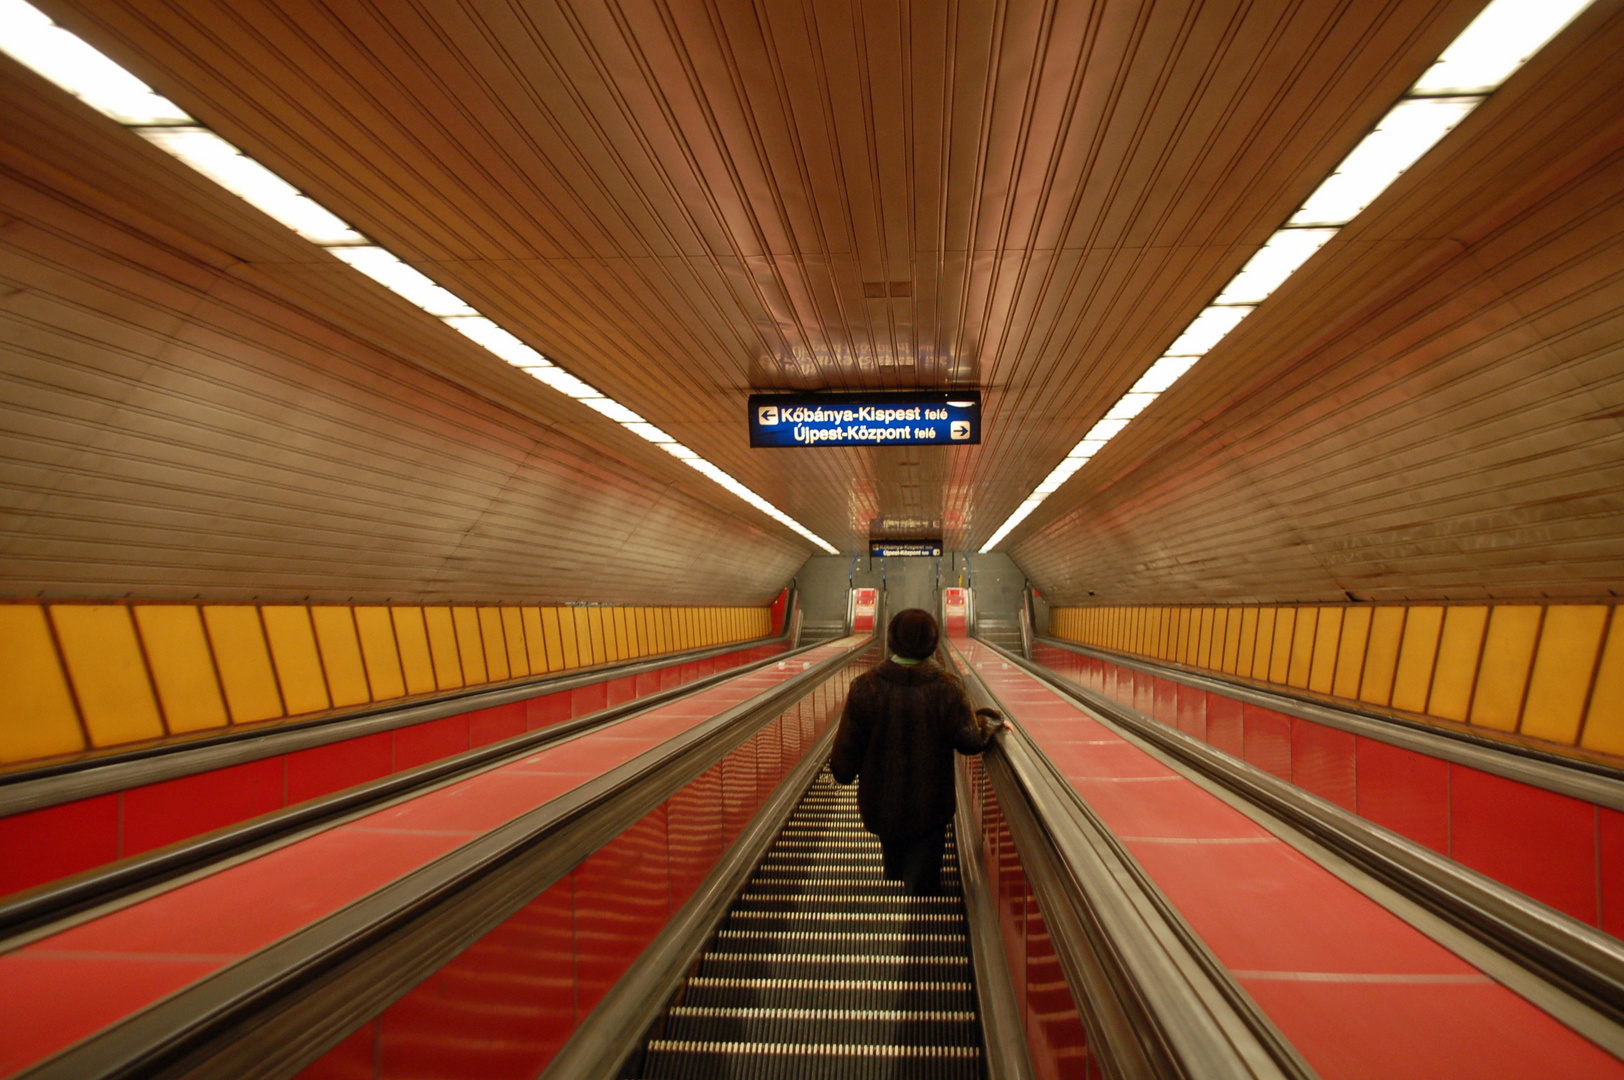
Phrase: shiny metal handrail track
(1578, 959)
(281, 1007)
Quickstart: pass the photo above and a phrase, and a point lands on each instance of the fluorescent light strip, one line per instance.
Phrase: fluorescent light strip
(29, 37)
(1498, 42)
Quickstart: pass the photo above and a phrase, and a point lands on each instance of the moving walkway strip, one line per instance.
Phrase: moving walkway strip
(256, 964)
(1565, 951)
(102, 883)
(1359, 980)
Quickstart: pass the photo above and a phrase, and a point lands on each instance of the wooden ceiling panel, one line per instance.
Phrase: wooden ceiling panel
(180, 420)
(699, 191)
(1430, 411)
(682, 203)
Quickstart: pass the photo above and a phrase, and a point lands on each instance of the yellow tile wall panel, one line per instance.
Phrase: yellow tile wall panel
(1413, 678)
(1182, 644)
(595, 635)
(1285, 626)
(637, 631)
(107, 672)
(1157, 644)
(1350, 652)
(37, 715)
(298, 662)
(376, 629)
(237, 639)
(1303, 636)
(513, 631)
(1202, 643)
(442, 630)
(416, 658)
(583, 634)
(1604, 720)
(569, 637)
(182, 668)
(1508, 654)
(1381, 655)
(623, 643)
(1563, 666)
(494, 642)
(1136, 631)
(340, 654)
(1214, 657)
(1327, 631)
(535, 641)
(1455, 672)
(1248, 649)
(662, 630)
(1232, 640)
(470, 649)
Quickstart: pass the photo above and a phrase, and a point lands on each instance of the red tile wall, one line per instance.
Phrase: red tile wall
(1562, 851)
(1539, 842)
(1610, 869)
(43, 845)
(1404, 791)
(1266, 739)
(1322, 761)
(160, 814)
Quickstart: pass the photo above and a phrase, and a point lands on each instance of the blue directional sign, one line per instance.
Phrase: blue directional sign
(900, 548)
(914, 418)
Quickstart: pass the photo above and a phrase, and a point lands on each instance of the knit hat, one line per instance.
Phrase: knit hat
(913, 634)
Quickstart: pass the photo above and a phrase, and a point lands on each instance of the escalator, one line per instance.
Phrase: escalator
(824, 968)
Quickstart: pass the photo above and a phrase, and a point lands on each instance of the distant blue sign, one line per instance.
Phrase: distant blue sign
(899, 548)
(922, 418)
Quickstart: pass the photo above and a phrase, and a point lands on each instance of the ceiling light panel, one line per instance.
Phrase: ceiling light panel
(1498, 42)
(29, 37)
(1273, 264)
(1410, 129)
(252, 182)
(34, 41)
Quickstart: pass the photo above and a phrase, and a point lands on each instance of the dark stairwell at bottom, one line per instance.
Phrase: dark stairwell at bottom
(823, 968)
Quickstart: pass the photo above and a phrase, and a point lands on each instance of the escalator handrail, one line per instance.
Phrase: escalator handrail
(1579, 959)
(284, 1005)
(1155, 1001)
(32, 908)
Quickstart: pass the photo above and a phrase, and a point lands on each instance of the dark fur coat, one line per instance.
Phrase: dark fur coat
(898, 734)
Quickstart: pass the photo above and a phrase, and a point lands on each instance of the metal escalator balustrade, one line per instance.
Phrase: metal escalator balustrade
(824, 967)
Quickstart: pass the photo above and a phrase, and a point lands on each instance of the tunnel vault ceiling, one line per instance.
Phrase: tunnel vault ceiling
(682, 203)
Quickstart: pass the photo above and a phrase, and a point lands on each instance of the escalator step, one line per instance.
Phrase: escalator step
(830, 993)
(824, 967)
(898, 1027)
(673, 1059)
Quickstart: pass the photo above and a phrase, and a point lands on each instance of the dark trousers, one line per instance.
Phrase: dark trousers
(916, 863)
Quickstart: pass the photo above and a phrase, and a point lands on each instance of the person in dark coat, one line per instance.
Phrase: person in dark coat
(903, 721)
